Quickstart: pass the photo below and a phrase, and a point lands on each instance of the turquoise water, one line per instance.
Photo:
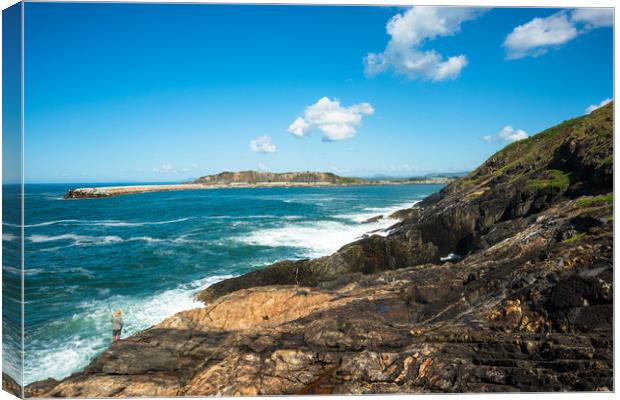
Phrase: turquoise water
(11, 281)
(149, 254)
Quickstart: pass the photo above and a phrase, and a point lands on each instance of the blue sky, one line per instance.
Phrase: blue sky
(137, 92)
(11, 95)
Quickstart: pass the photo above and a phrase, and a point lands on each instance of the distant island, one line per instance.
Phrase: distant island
(254, 179)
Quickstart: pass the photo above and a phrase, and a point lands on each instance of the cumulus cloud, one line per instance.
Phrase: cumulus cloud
(333, 120)
(508, 135)
(262, 144)
(299, 127)
(597, 106)
(537, 36)
(408, 32)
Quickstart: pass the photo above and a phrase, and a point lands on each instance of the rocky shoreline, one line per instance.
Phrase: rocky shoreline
(526, 306)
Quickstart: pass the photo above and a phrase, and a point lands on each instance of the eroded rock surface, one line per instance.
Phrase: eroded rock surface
(529, 306)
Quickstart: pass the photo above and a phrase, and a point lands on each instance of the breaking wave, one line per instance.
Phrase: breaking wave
(89, 329)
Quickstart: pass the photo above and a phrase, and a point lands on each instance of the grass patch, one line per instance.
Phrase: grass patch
(609, 160)
(556, 179)
(543, 141)
(596, 201)
(574, 238)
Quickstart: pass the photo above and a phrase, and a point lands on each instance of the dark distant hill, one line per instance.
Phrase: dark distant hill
(431, 175)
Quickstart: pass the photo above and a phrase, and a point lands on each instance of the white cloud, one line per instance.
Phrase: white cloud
(333, 120)
(262, 166)
(508, 134)
(596, 106)
(594, 17)
(299, 127)
(262, 144)
(408, 31)
(165, 168)
(537, 36)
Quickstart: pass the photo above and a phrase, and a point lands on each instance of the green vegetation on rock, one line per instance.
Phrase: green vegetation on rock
(609, 160)
(531, 158)
(575, 238)
(556, 179)
(596, 201)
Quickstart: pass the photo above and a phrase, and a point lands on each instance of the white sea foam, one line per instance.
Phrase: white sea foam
(262, 216)
(81, 271)
(18, 271)
(310, 199)
(83, 240)
(112, 223)
(125, 223)
(116, 223)
(8, 237)
(180, 240)
(47, 223)
(75, 239)
(147, 239)
(321, 238)
(70, 353)
(317, 238)
(370, 212)
(11, 270)
(32, 271)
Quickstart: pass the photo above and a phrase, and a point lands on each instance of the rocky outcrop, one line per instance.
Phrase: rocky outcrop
(9, 385)
(528, 305)
(370, 220)
(521, 180)
(224, 180)
(271, 177)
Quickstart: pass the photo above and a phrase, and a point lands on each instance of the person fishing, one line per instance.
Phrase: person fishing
(117, 325)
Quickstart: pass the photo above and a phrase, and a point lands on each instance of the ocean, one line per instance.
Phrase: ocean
(149, 254)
